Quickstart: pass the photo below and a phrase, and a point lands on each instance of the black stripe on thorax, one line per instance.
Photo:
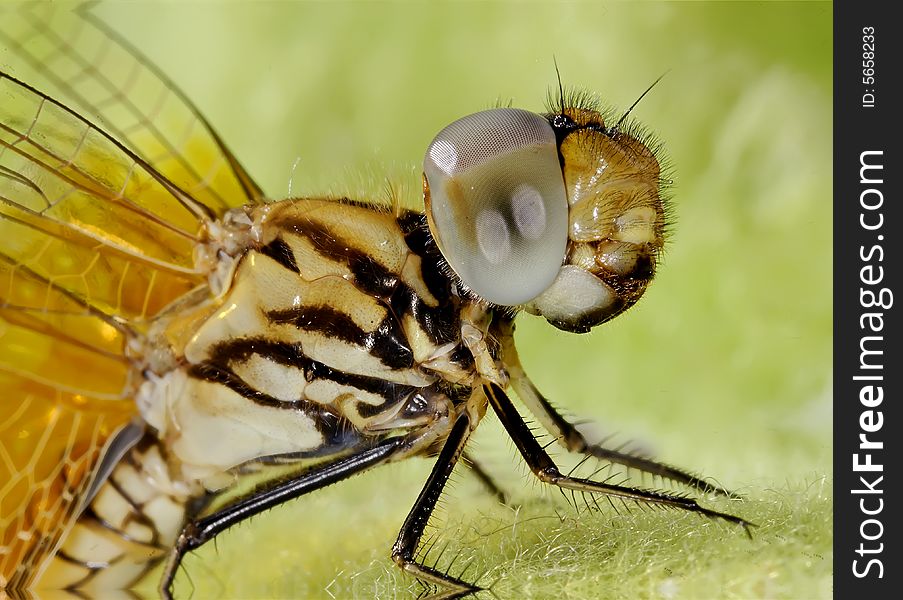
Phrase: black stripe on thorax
(387, 342)
(440, 323)
(282, 253)
(433, 268)
(332, 426)
(292, 355)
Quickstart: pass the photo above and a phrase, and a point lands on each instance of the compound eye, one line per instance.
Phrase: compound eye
(496, 203)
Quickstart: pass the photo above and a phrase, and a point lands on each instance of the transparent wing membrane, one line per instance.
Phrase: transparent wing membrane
(108, 178)
(50, 444)
(77, 59)
(82, 263)
(65, 177)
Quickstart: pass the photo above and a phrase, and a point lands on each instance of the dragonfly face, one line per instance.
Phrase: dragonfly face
(558, 213)
(165, 328)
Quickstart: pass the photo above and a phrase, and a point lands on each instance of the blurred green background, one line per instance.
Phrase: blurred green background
(724, 367)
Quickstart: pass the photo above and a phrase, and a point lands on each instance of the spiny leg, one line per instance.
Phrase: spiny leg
(546, 470)
(485, 478)
(569, 437)
(405, 547)
(574, 441)
(198, 532)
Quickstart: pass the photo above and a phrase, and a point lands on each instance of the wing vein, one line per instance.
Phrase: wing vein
(199, 210)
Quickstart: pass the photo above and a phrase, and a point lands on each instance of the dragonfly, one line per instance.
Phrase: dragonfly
(166, 329)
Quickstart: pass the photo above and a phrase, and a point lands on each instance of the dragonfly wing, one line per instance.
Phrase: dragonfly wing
(50, 445)
(94, 243)
(79, 60)
(65, 383)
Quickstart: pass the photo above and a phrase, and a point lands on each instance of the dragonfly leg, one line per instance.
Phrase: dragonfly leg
(546, 470)
(405, 548)
(485, 478)
(198, 531)
(574, 441)
(571, 438)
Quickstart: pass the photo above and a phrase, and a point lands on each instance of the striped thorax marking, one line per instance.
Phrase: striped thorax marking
(317, 346)
(337, 326)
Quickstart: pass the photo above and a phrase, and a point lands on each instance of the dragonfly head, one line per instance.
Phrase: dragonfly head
(560, 214)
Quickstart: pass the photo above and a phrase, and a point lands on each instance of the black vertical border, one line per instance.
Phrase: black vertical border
(859, 129)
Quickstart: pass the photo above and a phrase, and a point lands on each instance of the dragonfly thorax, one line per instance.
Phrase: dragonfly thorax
(336, 328)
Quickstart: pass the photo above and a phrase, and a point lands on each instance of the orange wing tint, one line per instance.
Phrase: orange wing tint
(106, 187)
(50, 443)
(74, 57)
